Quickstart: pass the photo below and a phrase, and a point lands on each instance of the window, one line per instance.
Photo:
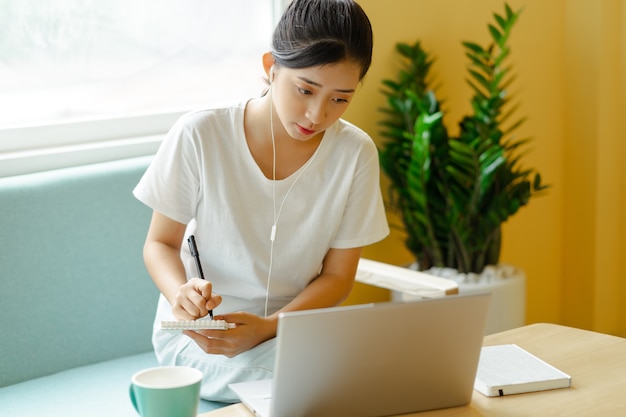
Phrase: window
(109, 71)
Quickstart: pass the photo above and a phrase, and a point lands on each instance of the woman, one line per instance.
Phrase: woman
(279, 192)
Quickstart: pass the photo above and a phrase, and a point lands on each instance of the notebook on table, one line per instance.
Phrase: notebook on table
(373, 360)
(509, 369)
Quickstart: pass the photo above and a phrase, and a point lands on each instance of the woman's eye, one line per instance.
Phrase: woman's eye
(341, 100)
(304, 91)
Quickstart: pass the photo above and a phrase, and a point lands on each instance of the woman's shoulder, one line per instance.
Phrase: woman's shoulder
(211, 116)
(350, 135)
(345, 127)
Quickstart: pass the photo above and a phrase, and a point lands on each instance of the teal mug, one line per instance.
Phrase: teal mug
(166, 391)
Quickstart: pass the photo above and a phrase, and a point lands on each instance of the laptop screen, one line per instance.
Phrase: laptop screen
(378, 360)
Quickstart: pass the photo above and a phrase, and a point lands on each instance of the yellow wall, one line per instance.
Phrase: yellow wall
(570, 61)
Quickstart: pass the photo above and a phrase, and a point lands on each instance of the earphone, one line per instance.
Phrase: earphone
(276, 215)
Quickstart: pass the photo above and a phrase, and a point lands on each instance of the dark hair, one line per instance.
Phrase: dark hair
(319, 32)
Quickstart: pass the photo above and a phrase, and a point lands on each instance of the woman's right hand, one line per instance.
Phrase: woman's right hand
(194, 299)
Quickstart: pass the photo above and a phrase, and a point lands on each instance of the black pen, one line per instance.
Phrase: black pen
(194, 252)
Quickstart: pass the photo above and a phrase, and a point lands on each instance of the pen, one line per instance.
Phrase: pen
(194, 252)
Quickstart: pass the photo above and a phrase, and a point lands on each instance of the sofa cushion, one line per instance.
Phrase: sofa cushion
(98, 390)
(73, 286)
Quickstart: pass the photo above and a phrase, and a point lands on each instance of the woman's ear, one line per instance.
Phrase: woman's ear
(268, 65)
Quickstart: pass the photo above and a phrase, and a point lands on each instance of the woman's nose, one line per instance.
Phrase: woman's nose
(316, 113)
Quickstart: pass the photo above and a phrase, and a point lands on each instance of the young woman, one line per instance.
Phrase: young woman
(279, 192)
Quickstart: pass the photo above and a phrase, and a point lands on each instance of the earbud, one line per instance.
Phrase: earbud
(273, 233)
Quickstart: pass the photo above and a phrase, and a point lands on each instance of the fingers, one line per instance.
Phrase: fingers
(239, 318)
(216, 342)
(203, 287)
(189, 304)
(234, 341)
(194, 300)
(215, 300)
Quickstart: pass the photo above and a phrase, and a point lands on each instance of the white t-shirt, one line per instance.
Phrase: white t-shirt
(205, 176)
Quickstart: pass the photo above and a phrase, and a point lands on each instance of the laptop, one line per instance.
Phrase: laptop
(372, 360)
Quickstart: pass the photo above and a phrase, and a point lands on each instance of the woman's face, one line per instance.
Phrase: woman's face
(309, 100)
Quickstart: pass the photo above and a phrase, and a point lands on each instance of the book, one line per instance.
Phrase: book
(404, 280)
(201, 324)
(509, 369)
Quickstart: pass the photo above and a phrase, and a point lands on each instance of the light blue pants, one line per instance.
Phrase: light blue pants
(219, 370)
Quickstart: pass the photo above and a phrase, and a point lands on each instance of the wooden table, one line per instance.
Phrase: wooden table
(596, 362)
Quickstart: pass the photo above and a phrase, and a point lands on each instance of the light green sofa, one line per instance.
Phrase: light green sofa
(76, 303)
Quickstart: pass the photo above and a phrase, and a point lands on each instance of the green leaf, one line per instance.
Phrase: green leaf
(513, 144)
(481, 79)
(391, 84)
(503, 24)
(537, 185)
(477, 61)
(509, 12)
(493, 164)
(475, 48)
(479, 94)
(495, 34)
(404, 49)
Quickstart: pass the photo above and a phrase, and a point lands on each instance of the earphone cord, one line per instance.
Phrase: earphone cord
(276, 216)
(273, 233)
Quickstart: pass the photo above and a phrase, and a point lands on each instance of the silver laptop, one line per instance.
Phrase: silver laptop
(373, 360)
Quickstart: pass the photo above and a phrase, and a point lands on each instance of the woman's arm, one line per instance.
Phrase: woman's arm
(332, 286)
(328, 289)
(189, 299)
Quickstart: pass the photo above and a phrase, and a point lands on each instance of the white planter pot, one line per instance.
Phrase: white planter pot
(507, 285)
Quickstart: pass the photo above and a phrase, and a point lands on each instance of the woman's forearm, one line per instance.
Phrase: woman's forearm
(165, 267)
(332, 286)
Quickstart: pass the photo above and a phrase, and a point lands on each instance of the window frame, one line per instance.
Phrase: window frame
(37, 148)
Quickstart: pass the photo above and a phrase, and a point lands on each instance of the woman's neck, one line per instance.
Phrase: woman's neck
(291, 154)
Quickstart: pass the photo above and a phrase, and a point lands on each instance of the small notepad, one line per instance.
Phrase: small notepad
(197, 325)
(509, 369)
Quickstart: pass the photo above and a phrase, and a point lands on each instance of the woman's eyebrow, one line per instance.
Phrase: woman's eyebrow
(339, 90)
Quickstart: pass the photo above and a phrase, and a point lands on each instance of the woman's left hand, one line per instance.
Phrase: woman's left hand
(251, 330)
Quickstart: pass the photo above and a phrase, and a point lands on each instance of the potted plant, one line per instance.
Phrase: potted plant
(454, 193)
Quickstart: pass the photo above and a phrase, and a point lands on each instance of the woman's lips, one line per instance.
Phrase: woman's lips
(304, 130)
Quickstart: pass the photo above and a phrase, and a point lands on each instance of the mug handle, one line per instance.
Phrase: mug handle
(133, 400)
